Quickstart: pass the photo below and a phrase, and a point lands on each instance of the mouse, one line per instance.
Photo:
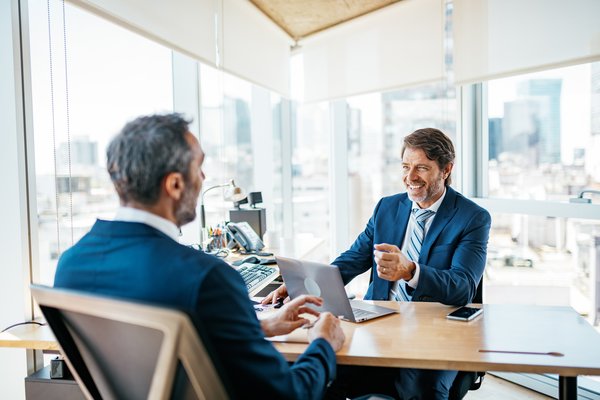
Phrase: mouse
(251, 260)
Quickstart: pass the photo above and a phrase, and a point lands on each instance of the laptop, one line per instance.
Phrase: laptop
(306, 277)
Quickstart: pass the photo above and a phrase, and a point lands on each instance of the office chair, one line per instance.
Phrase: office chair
(468, 380)
(123, 350)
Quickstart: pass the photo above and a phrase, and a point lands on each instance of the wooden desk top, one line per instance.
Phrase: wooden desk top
(421, 336)
(29, 337)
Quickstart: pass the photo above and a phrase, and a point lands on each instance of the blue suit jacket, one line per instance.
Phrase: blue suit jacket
(135, 261)
(452, 257)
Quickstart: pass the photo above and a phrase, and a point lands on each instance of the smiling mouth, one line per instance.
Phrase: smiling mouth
(415, 187)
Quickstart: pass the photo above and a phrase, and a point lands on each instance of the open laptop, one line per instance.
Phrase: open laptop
(306, 277)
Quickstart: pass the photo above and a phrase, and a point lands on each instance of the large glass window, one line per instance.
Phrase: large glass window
(238, 119)
(542, 260)
(226, 138)
(89, 77)
(310, 175)
(544, 134)
(544, 141)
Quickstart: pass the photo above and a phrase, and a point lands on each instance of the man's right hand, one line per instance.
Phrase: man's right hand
(328, 327)
(279, 293)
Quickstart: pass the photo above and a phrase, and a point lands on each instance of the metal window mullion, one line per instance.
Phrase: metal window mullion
(338, 179)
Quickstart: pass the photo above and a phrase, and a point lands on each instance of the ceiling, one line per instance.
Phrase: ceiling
(302, 18)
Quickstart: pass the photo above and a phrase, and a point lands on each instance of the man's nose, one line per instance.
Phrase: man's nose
(412, 174)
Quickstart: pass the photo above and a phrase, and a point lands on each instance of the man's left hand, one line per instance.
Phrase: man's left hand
(288, 317)
(392, 264)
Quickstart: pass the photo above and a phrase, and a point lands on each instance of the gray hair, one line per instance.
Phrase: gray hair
(144, 152)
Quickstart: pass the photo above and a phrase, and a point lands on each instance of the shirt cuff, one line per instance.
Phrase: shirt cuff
(414, 282)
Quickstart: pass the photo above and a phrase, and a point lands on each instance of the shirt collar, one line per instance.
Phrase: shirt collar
(435, 206)
(167, 227)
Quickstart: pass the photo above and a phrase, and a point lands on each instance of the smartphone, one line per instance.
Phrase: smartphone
(465, 313)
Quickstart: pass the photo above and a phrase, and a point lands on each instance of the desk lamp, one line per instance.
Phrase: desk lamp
(232, 193)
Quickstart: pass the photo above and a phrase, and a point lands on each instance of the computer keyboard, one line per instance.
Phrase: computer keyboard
(257, 276)
(359, 313)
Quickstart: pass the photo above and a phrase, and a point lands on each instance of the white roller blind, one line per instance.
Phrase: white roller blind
(183, 25)
(496, 38)
(254, 47)
(396, 46)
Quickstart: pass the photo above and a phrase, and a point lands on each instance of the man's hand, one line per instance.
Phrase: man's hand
(279, 293)
(288, 317)
(328, 327)
(392, 264)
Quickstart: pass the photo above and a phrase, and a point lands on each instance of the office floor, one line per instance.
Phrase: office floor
(496, 388)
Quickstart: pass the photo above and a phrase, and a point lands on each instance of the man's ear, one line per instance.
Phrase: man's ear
(174, 185)
(448, 169)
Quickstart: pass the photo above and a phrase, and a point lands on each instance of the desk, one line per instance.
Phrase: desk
(421, 337)
(30, 336)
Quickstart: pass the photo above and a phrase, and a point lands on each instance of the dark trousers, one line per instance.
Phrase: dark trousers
(398, 383)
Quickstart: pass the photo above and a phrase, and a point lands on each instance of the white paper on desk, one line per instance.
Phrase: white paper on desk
(300, 335)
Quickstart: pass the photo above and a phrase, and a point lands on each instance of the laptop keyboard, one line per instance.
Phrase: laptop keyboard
(257, 276)
(359, 313)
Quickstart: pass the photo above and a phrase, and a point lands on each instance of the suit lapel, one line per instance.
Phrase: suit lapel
(443, 216)
(396, 236)
(401, 222)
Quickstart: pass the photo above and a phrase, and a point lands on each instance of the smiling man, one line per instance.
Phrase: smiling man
(428, 244)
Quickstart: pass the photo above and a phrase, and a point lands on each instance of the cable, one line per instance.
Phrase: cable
(53, 129)
(68, 118)
(23, 323)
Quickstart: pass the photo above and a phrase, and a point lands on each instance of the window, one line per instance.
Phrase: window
(240, 133)
(226, 138)
(543, 145)
(310, 174)
(541, 142)
(110, 77)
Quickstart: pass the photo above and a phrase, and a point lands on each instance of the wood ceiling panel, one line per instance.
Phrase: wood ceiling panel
(301, 18)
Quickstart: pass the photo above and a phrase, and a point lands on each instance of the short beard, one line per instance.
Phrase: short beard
(186, 209)
(431, 192)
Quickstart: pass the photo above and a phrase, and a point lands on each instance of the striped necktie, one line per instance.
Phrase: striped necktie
(418, 233)
(421, 216)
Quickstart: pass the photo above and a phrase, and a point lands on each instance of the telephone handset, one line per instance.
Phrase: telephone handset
(245, 236)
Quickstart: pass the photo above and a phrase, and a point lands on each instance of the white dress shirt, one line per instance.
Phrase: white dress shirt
(128, 214)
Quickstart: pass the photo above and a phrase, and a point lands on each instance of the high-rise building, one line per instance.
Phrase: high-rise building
(495, 137)
(80, 151)
(548, 91)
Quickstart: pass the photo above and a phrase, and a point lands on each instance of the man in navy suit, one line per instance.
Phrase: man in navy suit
(155, 164)
(428, 244)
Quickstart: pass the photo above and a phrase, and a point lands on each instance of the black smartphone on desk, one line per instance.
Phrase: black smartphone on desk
(465, 313)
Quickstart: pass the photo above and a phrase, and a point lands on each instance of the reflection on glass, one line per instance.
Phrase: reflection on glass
(542, 260)
(544, 133)
(112, 76)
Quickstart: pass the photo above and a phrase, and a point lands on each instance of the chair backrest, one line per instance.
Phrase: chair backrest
(124, 350)
(479, 293)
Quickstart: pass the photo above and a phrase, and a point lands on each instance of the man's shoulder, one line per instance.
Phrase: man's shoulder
(466, 205)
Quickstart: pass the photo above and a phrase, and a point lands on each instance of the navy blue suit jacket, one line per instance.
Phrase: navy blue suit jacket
(452, 257)
(135, 261)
